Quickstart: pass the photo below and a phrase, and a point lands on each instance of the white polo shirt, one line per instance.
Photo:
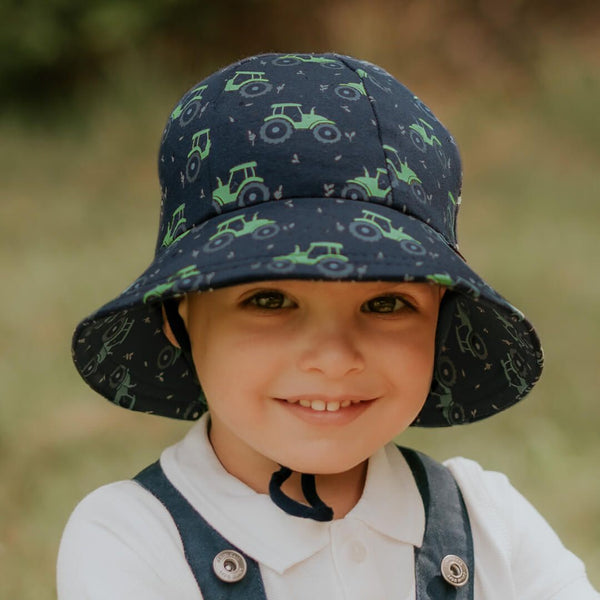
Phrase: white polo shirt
(121, 544)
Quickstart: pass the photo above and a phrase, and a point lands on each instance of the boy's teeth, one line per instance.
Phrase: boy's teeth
(321, 405)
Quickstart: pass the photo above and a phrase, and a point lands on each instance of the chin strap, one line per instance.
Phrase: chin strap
(318, 510)
(179, 331)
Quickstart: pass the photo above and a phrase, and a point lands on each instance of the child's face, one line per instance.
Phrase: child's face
(312, 375)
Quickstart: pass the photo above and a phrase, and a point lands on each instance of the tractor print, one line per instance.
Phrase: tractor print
(364, 75)
(327, 256)
(368, 186)
(120, 381)
(175, 226)
(404, 174)
(446, 280)
(259, 229)
(289, 117)
(468, 339)
(249, 84)
(371, 227)
(445, 378)
(199, 151)
(243, 187)
(421, 135)
(175, 283)
(290, 60)
(350, 91)
(113, 336)
(515, 370)
(186, 111)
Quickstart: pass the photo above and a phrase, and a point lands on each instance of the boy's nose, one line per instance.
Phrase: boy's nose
(332, 351)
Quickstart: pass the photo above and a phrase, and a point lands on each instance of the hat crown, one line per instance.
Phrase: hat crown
(276, 127)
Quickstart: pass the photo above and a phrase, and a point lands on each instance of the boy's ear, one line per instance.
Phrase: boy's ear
(167, 330)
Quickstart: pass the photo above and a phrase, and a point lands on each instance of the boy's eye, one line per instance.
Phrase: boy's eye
(384, 304)
(270, 300)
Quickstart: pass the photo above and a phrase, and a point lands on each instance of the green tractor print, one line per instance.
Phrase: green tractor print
(404, 174)
(368, 186)
(421, 135)
(243, 187)
(371, 227)
(446, 280)
(113, 336)
(199, 151)
(327, 256)
(259, 229)
(186, 111)
(515, 370)
(120, 381)
(468, 339)
(364, 75)
(175, 226)
(350, 91)
(289, 60)
(445, 378)
(174, 283)
(249, 84)
(288, 117)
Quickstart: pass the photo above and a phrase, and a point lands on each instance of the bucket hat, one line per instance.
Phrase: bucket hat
(308, 166)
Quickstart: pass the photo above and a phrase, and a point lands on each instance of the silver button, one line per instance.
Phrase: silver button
(455, 570)
(229, 566)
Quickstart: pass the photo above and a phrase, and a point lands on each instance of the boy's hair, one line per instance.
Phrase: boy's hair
(305, 166)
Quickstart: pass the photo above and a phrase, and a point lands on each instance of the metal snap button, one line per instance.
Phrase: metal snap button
(455, 570)
(229, 566)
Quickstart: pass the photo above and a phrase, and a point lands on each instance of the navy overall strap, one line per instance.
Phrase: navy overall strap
(201, 542)
(447, 530)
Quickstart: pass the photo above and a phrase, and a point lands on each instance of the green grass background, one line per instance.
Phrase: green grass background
(78, 217)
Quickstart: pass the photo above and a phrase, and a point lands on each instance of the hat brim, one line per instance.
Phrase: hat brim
(488, 355)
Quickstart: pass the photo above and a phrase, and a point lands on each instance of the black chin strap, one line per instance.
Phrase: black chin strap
(179, 331)
(318, 510)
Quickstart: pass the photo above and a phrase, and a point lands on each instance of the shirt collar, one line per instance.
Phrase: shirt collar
(390, 503)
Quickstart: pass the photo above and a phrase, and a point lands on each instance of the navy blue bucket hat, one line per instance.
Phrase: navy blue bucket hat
(308, 167)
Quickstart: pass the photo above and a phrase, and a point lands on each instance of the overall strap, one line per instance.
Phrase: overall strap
(447, 533)
(210, 556)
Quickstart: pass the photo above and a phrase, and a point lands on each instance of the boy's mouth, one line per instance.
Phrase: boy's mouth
(325, 404)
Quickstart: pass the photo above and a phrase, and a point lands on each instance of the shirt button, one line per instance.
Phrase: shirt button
(358, 552)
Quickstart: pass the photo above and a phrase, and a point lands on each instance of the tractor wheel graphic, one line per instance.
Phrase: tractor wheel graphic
(441, 154)
(364, 231)
(418, 192)
(456, 414)
(477, 345)
(275, 131)
(332, 65)
(518, 363)
(113, 330)
(252, 194)
(265, 232)
(354, 192)
(90, 367)
(286, 61)
(192, 167)
(190, 112)
(281, 266)
(333, 266)
(187, 284)
(166, 357)
(446, 371)
(418, 141)
(221, 242)
(347, 93)
(327, 133)
(257, 88)
(412, 247)
(117, 376)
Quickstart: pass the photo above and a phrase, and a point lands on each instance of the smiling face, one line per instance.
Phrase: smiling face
(316, 376)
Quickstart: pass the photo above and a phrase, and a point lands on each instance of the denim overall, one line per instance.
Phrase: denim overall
(447, 536)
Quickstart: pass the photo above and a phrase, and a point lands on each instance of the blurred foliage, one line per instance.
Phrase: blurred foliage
(50, 49)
